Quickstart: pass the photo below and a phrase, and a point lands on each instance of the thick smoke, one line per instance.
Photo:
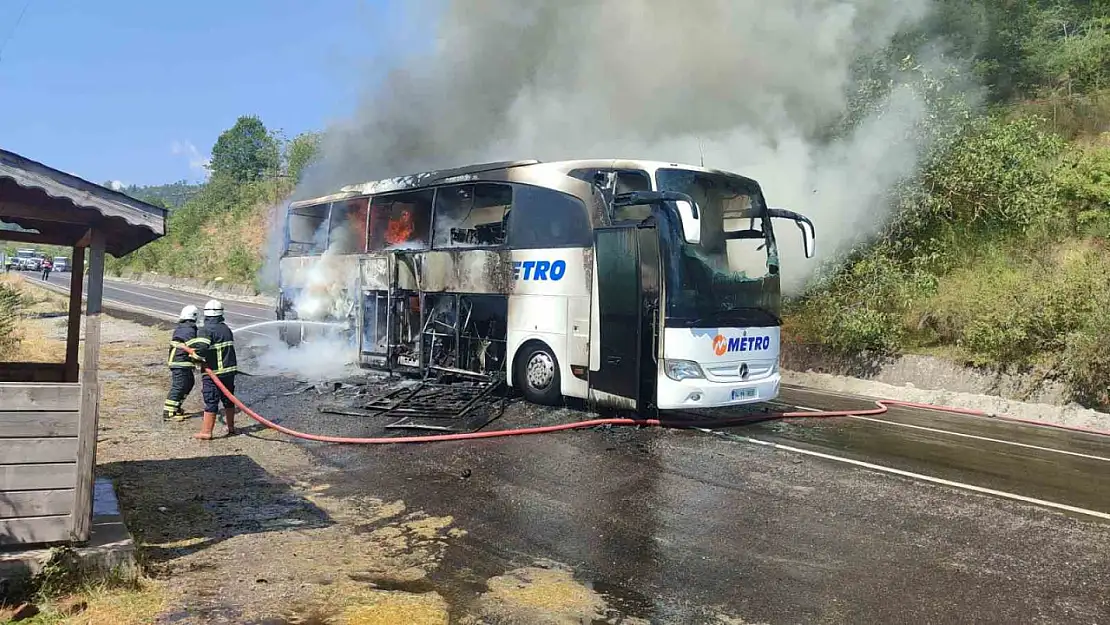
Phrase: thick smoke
(745, 85)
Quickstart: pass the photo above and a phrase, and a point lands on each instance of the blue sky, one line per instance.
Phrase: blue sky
(138, 90)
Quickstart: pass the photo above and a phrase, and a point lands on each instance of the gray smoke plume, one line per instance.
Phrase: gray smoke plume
(747, 85)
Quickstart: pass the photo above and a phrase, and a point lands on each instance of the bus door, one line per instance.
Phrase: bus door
(628, 308)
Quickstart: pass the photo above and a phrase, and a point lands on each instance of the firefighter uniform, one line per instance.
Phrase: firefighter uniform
(181, 364)
(218, 350)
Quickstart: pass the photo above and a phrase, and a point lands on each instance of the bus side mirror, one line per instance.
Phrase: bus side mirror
(809, 237)
(691, 225)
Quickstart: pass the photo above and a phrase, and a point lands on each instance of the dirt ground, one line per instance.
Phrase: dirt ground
(243, 529)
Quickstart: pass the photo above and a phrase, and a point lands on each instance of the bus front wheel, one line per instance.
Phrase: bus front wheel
(537, 374)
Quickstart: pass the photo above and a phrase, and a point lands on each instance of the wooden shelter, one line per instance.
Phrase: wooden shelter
(48, 411)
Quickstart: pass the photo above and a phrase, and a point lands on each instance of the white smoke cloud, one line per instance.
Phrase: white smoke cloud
(748, 84)
(323, 354)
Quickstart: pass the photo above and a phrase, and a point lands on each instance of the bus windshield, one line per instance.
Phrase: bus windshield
(731, 277)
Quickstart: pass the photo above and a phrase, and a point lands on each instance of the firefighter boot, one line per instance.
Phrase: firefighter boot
(205, 433)
(229, 420)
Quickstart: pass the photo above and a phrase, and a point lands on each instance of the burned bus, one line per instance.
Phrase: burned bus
(635, 284)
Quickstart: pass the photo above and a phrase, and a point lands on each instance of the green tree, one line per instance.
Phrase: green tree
(300, 152)
(245, 152)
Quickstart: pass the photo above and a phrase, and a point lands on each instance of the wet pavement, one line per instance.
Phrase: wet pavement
(687, 527)
(1055, 465)
(800, 521)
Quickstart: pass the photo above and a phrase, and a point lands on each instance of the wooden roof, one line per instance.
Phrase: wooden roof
(63, 208)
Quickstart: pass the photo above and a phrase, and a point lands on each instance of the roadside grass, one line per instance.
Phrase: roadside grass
(107, 602)
(65, 593)
(24, 314)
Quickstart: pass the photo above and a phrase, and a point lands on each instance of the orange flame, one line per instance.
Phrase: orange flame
(399, 229)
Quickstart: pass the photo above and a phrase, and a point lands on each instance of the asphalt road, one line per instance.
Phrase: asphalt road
(911, 516)
(166, 301)
(1064, 469)
(688, 527)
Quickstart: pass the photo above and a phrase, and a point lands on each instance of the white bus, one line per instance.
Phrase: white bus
(634, 284)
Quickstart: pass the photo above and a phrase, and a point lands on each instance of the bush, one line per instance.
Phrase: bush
(862, 306)
(1012, 307)
(9, 311)
(1085, 363)
(1083, 177)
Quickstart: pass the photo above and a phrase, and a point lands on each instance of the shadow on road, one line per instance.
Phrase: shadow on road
(182, 506)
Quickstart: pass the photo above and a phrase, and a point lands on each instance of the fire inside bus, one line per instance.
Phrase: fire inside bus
(633, 284)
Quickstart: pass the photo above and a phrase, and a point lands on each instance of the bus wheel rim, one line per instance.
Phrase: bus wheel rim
(540, 371)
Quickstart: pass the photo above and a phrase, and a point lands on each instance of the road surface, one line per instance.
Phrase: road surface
(911, 516)
(167, 301)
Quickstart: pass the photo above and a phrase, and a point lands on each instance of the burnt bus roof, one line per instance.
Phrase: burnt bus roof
(413, 181)
(498, 171)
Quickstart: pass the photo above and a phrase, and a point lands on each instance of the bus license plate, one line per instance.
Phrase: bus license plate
(743, 393)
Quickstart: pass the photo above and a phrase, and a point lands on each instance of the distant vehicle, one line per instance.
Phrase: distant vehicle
(23, 259)
(27, 260)
(61, 263)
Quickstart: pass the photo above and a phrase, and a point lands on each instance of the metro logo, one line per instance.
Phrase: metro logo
(722, 345)
(539, 270)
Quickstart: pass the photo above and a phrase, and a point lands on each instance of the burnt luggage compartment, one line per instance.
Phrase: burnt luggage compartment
(435, 312)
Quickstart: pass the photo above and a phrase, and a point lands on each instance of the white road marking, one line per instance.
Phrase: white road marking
(919, 476)
(986, 438)
(971, 436)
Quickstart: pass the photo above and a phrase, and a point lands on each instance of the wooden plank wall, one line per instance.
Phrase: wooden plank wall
(32, 372)
(38, 461)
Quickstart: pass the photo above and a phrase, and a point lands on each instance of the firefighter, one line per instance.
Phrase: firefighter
(182, 363)
(218, 350)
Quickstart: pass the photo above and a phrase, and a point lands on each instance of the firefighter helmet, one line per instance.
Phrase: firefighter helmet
(189, 313)
(213, 308)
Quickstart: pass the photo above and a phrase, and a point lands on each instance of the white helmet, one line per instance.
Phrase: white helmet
(213, 308)
(189, 313)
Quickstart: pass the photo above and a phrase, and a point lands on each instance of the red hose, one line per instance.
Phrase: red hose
(881, 407)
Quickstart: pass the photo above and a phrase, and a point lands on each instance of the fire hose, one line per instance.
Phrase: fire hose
(882, 406)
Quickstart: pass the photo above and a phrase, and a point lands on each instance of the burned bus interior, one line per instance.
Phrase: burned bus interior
(446, 333)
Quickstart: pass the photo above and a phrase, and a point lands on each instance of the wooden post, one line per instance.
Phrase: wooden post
(90, 393)
(73, 333)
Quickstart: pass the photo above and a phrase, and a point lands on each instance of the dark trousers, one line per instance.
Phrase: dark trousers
(45, 275)
(182, 380)
(212, 394)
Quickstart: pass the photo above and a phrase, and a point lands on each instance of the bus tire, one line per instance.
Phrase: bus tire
(536, 374)
(290, 334)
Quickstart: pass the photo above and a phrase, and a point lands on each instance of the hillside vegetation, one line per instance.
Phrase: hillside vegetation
(219, 229)
(995, 254)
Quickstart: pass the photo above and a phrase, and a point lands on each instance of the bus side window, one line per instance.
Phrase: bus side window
(545, 218)
(401, 221)
(471, 215)
(308, 233)
(348, 227)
